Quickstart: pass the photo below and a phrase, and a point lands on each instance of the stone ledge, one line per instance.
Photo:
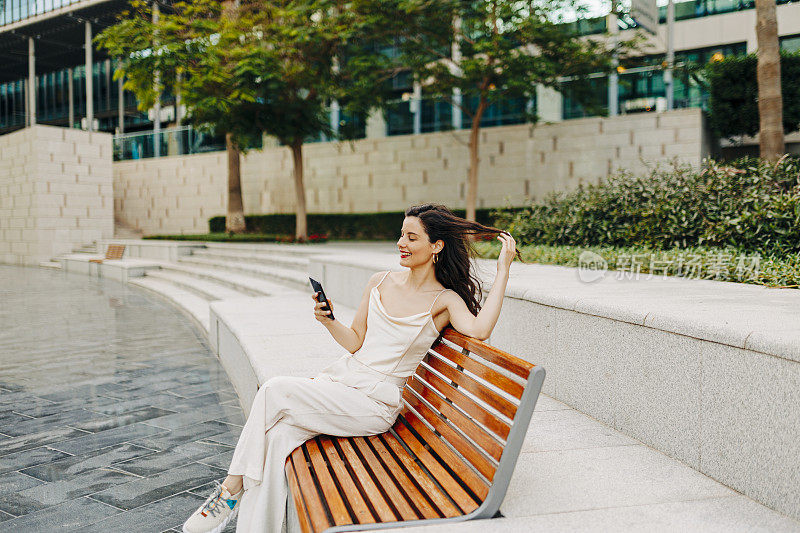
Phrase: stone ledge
(667, 361)
(574, 471)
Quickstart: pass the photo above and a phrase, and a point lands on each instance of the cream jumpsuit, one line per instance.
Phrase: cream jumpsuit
(359, 394)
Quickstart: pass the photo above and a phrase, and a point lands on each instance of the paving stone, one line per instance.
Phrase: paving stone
(68, 516)
(164, 440)
(140, 415)
(76, 465)
(183, 454)
(34, 440)
(94, 441)
(26, 458)
(85, 365)
(68, 489)
(222, 460)
(149, 489)
(222, 413)
(154, 517)
(14, 481)
(72, 418)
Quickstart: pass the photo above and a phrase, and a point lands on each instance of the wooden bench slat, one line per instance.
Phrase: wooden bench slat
(467, 404)
(446, 507)
(464, 447)
(297, 497)
(316, 510)
(329, 489)
(347, 484)
(505, 407)
(115, 251)
(518, 366)
(440, 458)
(442, 476)
(419, 501)
(376, 500)
(475, 432)
(392, 490)
(454, 462)
(479, 369)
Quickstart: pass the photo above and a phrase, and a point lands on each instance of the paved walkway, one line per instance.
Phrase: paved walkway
(114, 414)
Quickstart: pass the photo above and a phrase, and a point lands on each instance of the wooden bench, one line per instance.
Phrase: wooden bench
(114, 251)
(448, 457)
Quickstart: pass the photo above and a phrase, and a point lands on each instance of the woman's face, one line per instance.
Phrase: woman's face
(414, 240)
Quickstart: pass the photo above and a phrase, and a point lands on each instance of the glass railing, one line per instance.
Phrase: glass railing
(15, 10)
(174, 141)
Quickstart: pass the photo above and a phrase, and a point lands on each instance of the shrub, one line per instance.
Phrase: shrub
(749, 205)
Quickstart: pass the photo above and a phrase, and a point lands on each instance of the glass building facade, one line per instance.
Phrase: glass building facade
(15, 10)
(52, 100)
(640, 89)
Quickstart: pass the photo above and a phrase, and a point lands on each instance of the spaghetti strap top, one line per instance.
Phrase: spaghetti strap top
(395, 346)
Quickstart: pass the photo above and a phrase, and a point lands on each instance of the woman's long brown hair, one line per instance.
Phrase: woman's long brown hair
(452, 267)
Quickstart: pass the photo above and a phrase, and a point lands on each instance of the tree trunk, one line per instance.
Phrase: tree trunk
(472, 182)
(234, 221)
(770, 100)
(300, 192)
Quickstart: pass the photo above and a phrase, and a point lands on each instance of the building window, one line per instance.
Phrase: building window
(790, 43)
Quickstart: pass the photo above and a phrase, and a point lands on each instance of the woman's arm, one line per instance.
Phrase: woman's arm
(481, 326)
(353, 337)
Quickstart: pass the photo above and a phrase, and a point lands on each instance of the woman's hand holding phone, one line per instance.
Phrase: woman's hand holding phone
(322, 315)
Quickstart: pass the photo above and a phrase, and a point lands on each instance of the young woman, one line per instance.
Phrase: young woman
(400, 316)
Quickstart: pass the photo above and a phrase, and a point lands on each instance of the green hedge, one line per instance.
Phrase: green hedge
(233, 237)
(349, 226)
(750, 206)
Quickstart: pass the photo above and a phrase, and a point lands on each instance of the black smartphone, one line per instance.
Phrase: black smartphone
(317, 286)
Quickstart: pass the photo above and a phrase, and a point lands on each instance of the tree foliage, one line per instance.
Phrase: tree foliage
(506, 49)
(733, 94)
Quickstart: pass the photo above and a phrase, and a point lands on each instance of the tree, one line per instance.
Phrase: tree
(185, 40)
(770, 100)
(294, 58)
(491, 50)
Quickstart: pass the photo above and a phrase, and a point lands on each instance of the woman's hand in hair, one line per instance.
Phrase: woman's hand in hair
(507, 252)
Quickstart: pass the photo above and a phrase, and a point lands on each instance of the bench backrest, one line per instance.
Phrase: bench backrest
(115, 251)
(479, 401)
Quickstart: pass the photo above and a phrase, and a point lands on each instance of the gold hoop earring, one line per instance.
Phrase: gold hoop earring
(434, 258)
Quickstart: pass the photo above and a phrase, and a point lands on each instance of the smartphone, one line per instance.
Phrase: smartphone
(317, 286)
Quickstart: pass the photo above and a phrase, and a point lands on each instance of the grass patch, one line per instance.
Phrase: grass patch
(720, 264)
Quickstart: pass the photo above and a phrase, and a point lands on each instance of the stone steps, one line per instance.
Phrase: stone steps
(207, 289)
(247, 285)
(262, 258)
(196, 307)
(294, 277)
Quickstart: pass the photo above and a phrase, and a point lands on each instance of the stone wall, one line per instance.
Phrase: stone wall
(56, 192)
(179, 194)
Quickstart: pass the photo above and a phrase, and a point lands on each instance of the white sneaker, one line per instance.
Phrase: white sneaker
(215, 513)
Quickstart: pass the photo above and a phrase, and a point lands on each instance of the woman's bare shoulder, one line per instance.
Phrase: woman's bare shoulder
(451, 296)
(376, 278)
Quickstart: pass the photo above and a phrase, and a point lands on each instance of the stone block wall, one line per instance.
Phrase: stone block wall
(56, 192)
(517, 164)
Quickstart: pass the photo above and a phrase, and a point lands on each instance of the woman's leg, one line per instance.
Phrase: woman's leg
(286, 412)
(263, 506)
